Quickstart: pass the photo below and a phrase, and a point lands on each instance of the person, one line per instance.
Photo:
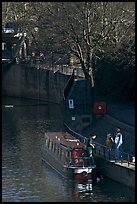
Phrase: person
(118, 143)
(41, 57)
(90, 147)
(109, 141)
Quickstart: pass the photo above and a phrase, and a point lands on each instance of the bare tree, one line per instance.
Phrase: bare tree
(91, 27)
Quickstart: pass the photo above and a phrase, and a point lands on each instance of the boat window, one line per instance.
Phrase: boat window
(56, 149)
(48, 143)
(46, 140)
(63, 154)
(52, 145)
(68, 154)
(59, 150)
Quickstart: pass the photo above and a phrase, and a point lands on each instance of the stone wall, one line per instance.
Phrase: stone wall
(116, 172)
(30, 82)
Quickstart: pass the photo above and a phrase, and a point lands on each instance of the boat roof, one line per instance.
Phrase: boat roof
(64, 139)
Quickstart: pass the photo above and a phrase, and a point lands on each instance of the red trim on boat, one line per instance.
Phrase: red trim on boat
(83, 176)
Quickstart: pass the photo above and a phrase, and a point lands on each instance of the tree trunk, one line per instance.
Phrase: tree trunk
(89, 90)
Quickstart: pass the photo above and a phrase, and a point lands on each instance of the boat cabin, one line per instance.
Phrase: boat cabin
(61, 144)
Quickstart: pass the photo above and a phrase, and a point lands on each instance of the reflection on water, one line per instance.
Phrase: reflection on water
(81, 191)
(25, 178)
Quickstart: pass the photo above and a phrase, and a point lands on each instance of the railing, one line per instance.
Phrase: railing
(80, 137)
(109, 154)
(69, 85)
(65, 68)
(104, 151)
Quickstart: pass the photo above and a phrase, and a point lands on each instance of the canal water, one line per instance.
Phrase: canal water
(25, 178)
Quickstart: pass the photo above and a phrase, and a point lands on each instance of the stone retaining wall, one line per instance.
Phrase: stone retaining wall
(33, 83)
(116, 172)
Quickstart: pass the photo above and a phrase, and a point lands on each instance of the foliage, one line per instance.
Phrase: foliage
(115, 76)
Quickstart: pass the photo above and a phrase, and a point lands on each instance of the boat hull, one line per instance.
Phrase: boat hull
(79, 173)
(58, 166)
(49, 159)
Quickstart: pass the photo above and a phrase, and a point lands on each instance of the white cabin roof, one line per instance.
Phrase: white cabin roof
(63, 138)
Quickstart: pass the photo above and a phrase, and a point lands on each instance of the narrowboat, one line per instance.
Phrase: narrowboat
(67, 155)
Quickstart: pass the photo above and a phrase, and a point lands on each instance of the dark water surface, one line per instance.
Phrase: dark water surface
(25, 178)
